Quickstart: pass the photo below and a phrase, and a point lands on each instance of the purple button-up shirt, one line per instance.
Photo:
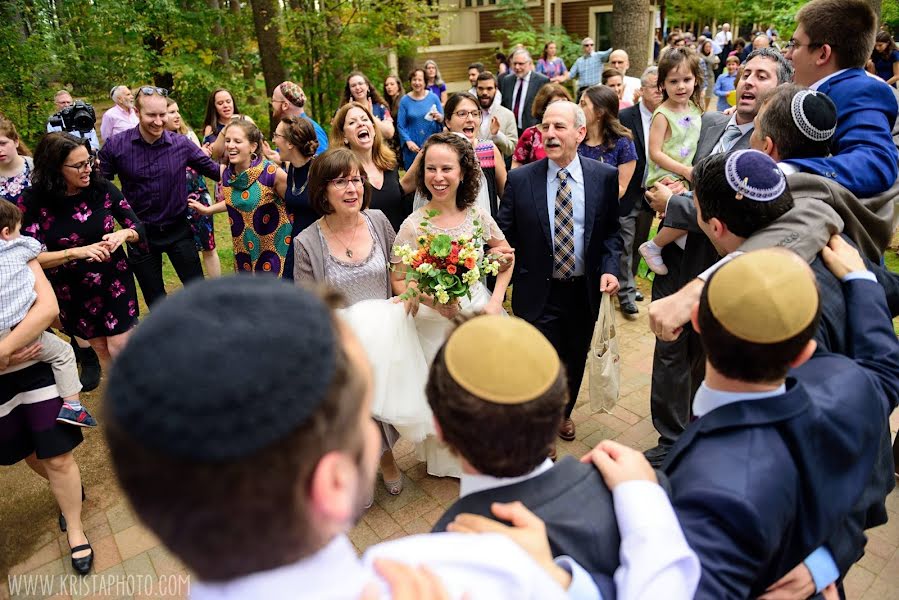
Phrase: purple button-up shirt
(153, 176)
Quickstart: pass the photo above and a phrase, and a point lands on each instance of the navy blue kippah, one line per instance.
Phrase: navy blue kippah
(223, 369)
(754, 175)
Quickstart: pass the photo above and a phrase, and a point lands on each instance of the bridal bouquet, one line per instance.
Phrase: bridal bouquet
(445, 268)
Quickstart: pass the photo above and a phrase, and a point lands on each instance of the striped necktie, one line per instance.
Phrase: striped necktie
(730, 136)
(563, 244)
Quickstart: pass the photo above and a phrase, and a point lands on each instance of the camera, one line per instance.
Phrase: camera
(78, 117)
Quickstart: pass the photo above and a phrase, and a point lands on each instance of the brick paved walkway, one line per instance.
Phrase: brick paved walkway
(123, 548)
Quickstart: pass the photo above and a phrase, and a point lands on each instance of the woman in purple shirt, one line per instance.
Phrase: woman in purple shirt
(551, 65)
(607, 140)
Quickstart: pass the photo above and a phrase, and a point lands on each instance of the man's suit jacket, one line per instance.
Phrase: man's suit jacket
(507, 87)
(573, 501)
(524, 218)
(758, 484)
(630, 117)
(864, 157)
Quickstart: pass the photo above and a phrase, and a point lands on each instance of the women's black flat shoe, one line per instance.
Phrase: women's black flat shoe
(83, 565)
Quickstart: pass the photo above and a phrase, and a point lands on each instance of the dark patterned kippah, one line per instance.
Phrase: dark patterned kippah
(754, 175)
(814, 114)
(223, 369)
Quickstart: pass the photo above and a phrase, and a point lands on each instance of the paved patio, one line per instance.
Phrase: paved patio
(128, 555)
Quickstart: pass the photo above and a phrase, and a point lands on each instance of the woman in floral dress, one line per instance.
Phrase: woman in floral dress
(15, 167)
(252, 191)
(73, 211)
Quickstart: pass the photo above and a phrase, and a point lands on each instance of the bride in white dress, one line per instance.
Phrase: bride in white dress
(450, 179)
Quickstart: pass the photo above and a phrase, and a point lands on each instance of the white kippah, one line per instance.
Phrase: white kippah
(798, 109)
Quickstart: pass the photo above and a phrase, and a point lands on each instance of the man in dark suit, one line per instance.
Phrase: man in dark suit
(635, 216)
(561, 216)
(753, 516)
(503, 376)
(519, 91)
(677, 366)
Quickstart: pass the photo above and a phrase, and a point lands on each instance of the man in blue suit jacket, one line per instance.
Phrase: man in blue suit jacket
(832, 42)
(777, 460)
(561, 216)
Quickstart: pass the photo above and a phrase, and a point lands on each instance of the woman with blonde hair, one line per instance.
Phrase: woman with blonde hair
(200, 225)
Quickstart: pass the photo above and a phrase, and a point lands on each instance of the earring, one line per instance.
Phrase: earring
(254, 157)
(346, 142)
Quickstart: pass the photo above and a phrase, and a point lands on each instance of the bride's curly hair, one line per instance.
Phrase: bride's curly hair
(470, 184)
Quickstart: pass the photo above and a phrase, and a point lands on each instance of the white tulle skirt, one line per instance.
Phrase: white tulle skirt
(401, 349)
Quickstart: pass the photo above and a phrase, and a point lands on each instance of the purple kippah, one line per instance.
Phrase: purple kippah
(223, 369)
(754, 175)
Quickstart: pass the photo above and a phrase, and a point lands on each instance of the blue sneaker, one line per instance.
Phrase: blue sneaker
(81, 417)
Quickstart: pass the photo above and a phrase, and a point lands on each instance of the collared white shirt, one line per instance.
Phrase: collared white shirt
(486, 116)
(656, 561)
(821, 81)
(472, 483)
(576, 183)
(520, 96)
(486, 566)
(744, 129)
(646, 118)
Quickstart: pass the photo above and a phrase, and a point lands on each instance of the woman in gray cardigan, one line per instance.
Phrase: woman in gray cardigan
(348, 248)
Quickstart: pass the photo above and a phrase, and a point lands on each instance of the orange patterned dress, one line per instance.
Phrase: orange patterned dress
(260, 228)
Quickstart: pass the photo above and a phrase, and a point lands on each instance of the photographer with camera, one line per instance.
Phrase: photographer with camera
(122, 116)
(77, 118)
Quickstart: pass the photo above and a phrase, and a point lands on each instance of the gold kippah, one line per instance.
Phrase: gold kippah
(765, 297)
(501, 359)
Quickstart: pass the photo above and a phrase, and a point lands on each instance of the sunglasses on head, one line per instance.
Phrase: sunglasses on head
(149, 90)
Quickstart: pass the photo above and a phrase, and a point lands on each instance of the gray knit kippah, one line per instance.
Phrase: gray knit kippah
(223, 369)
(814, 115)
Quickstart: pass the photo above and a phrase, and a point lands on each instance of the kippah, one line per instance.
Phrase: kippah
(291, 92)
(754, 175)
(814, 114)
(223, 369)
(765, 297)
(504, 360)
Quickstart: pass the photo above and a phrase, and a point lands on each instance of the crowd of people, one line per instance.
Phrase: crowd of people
(775, 367)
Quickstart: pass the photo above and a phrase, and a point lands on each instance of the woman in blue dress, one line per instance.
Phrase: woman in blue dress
(420, 116)
(359, 89)
(607, 140)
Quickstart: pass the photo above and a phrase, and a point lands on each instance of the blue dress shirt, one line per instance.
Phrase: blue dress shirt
(576, 183)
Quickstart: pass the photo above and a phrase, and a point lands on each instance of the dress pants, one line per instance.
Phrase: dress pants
(634, 229)
(567, 322)
(678, 367)
(176, 240)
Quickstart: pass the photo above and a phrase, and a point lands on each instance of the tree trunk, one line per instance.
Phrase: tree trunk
(630, 31)
(265, 21)
(219, 31)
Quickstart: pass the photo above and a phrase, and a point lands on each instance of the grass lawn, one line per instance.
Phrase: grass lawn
(892, 261)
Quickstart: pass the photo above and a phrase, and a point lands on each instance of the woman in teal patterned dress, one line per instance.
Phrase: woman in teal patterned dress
(252, 192)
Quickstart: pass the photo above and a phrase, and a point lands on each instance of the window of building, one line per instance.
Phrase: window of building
(603, 25)
(476, 3)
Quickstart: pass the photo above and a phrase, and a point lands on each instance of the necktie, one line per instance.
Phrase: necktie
(730, 136)
(563, 244)
(516, 101)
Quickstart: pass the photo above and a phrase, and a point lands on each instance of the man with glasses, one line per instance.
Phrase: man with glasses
(120, 117)
(587, 69)
(62, 100)
(151, 164)
(288, 100)
(832, 42)
(519, 91)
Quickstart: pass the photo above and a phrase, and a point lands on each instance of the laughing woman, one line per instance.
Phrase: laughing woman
(359, 89)
(354, 128)
(252, 191)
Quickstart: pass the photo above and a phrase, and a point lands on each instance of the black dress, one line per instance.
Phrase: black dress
(299, 210)
(390, 200)
(96, 299)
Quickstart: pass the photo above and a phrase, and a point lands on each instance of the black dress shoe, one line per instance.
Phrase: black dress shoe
(83, 565)
(90, 367)
(62, 518)
(629, 310)
(639, 297)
